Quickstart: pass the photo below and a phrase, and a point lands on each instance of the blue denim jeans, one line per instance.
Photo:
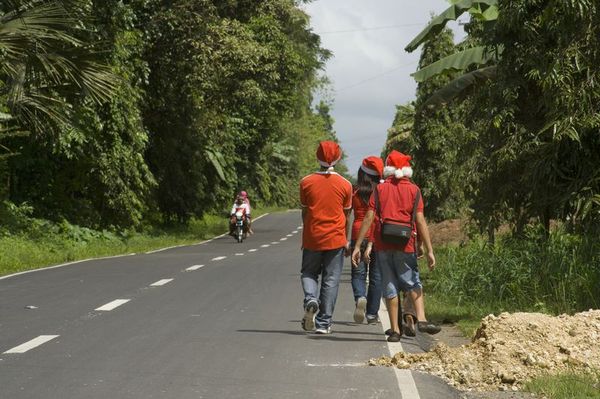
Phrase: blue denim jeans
(327, 265)
(359, 283)
(400, 272)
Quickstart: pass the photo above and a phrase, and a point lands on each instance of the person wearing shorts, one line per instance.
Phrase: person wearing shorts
(398, 263)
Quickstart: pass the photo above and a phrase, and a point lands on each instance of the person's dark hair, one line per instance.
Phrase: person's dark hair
(365, 184)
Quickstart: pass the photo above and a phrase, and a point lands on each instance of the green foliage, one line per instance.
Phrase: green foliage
(566, 386)
(558, 275)
(455, 62)
(94, 172)
(401, 128)
(114, 113)
(529, 134)
(248, 71)
(482, 9)
(435, 140)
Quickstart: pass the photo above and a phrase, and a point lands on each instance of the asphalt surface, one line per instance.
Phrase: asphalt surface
(230, 328)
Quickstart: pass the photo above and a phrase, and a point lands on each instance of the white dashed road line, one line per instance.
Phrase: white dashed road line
(253, 250)
(295, 232)
(219, 258)
(406, 382)
(265, 246)
(42, 339)
(161, 282)
(239, 254)
(275, 243)
(112, 305)
(192, 268)
(283, 239)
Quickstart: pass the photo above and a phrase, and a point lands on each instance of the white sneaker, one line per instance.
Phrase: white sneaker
(323, 330)
(359, 311)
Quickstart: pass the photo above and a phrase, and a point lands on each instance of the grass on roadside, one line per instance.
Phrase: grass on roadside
(566, 386)
(442, 310)
(50, 244)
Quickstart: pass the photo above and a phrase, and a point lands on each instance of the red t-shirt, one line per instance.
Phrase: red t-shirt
(400, 194)
(360, 210)
(325, 196)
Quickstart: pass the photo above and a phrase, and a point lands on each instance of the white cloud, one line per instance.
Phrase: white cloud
(370, 70)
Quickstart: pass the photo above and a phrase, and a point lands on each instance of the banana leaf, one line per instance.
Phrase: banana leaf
(458, 61)
(451, 14)
(459, 85)
(216, 158)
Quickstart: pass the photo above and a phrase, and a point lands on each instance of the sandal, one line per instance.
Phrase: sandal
(394, 337)
(389, 332)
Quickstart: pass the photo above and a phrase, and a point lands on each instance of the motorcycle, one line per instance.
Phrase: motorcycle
(240, 221)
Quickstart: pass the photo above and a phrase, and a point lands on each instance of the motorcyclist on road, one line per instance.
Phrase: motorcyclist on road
(240, 205)
(244, 195)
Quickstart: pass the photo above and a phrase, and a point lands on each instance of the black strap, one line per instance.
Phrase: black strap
(414, 212)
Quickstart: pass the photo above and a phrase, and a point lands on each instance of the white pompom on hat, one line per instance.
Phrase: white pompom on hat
(328, 154)
(398, 164)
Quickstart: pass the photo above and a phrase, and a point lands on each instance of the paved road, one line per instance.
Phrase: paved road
(214, 320)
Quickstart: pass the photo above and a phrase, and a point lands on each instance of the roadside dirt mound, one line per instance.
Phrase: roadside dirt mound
(510, 349)
(447, 232)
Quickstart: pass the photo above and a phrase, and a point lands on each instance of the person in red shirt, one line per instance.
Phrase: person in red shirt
(394, 200)
(326, 200)
(366, 301)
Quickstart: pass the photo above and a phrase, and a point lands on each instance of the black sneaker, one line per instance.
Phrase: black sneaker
(372, 319)
(310, 312)
(427, 327)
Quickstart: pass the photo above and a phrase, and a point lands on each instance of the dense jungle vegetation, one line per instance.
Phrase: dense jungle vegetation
(505, 132)
(120, 116)
(117, 113)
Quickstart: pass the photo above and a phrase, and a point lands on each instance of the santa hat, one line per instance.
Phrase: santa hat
(328, 154)
(398, 164)
(372, 166)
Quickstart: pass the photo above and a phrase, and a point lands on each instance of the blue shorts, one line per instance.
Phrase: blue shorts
(400, 272)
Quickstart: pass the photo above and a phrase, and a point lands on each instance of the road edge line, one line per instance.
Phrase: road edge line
(113, 256)
(406, 382)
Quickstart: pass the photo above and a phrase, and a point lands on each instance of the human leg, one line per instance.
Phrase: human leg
(375, 288)
(411, 283)
(359, 277)
(332, 261)
(409, 316)
(309, 276)
(385, 260)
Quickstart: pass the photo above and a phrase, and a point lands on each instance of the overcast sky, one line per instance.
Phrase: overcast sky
(370, 71)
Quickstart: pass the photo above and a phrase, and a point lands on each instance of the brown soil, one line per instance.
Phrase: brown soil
(448, 231)
(510, 349)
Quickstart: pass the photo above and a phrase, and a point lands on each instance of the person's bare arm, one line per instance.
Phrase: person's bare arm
(364, 228)
(348, 229)
(423, 233)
